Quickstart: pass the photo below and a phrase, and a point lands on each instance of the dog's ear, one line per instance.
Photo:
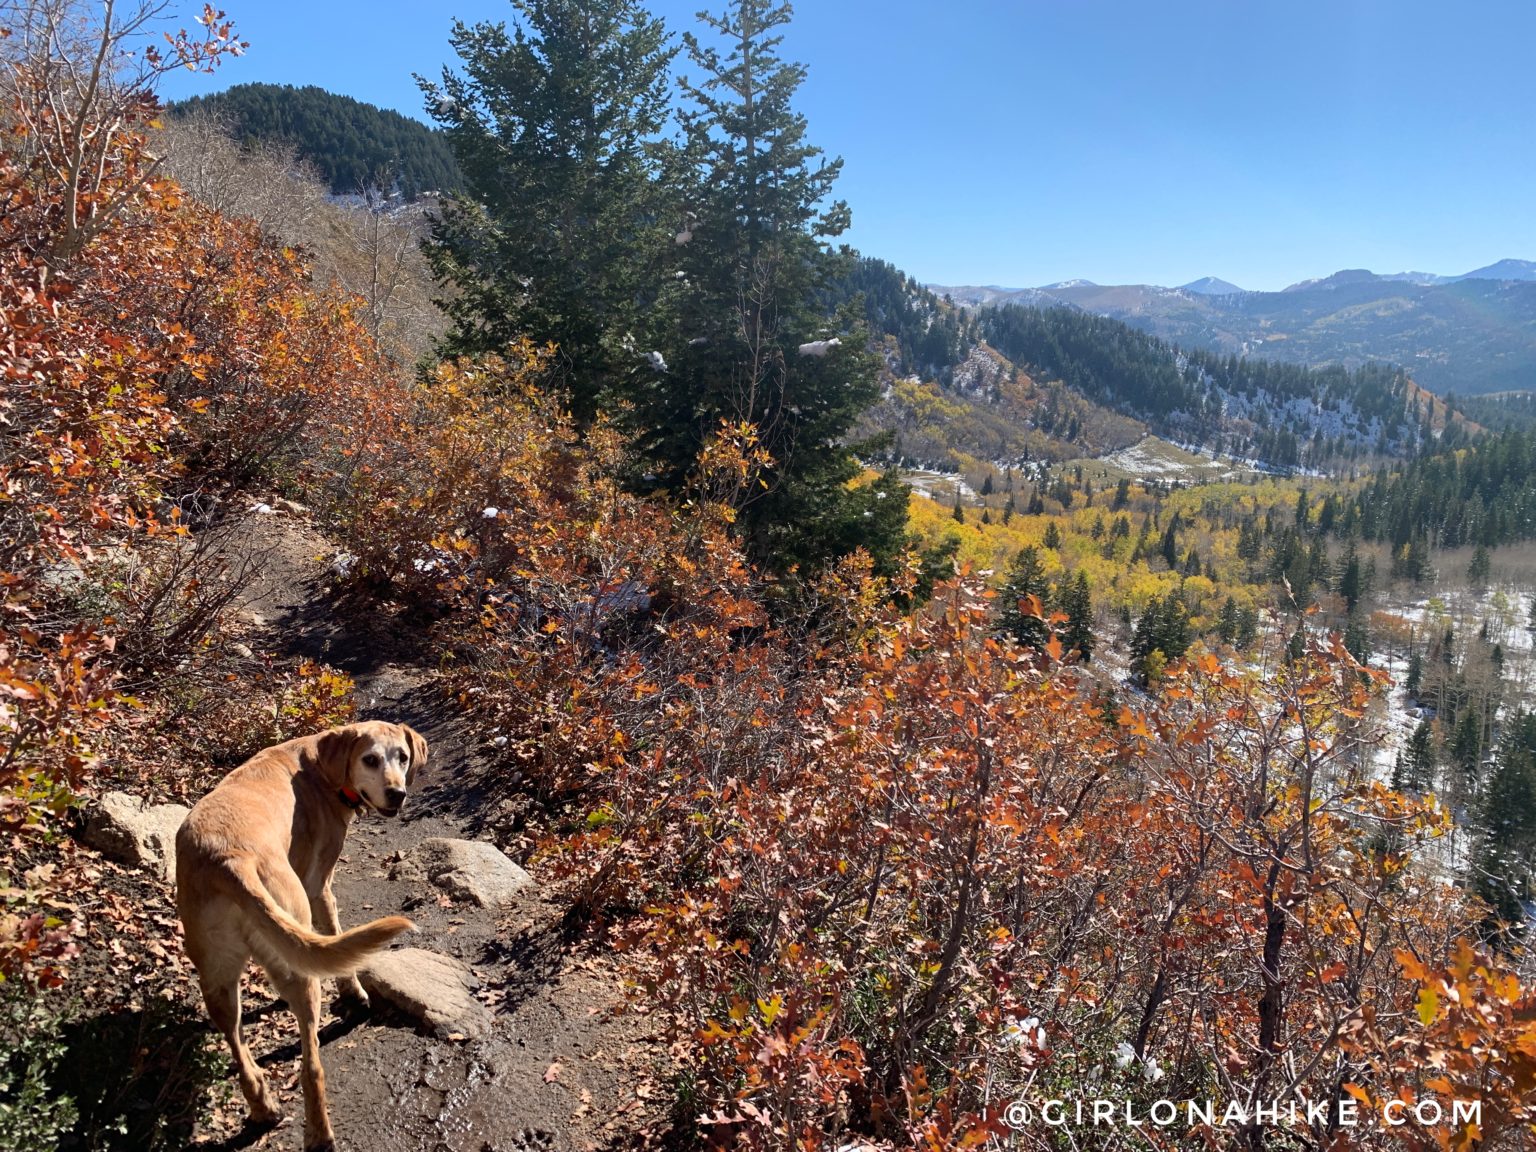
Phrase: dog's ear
(333, 751)
(418, 745)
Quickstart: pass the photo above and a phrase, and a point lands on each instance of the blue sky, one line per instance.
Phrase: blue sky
(1021, 142)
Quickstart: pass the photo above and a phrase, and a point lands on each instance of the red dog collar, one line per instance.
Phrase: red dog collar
(350, 798)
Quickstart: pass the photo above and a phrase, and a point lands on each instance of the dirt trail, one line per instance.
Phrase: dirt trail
(562, 1068)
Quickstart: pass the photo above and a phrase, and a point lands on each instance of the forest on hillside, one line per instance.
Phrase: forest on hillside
(860, 826)
(354, 146)
(1282, 414)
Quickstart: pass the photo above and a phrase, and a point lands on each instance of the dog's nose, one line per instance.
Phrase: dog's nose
(394, 797)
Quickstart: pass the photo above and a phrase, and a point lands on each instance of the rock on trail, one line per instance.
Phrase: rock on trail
(466, 869)
(437, 990)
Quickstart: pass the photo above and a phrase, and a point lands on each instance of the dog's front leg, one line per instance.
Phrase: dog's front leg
(350, 997)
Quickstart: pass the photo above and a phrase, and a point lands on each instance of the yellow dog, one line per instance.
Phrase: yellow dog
(253, 880)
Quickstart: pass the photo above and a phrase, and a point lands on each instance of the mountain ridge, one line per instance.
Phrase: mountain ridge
(1508, 268)
(1469, 335)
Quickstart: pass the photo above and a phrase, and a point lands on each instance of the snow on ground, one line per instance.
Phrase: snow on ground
(1154, 458)
(1507, 609)
(940, 486)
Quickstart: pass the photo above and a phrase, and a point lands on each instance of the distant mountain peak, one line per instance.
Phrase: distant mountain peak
(1069, 284)
(1211, 286)
(1507, 269)
(1427, 279)
(1337, 280)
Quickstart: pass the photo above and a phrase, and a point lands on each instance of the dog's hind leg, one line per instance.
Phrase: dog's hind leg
(303, 996)
(350, 997)
(219, 976)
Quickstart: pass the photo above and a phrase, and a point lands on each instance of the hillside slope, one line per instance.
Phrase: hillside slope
(354, 145)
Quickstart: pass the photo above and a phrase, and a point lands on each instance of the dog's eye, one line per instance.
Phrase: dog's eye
(372, 759)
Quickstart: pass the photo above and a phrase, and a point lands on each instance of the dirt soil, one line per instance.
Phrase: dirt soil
(569, 1064)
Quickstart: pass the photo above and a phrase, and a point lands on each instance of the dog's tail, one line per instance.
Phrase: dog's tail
(299, 949)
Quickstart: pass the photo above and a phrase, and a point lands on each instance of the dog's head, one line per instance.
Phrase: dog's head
(374, 761)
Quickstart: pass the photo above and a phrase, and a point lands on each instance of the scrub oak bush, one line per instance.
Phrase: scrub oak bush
(154, 351)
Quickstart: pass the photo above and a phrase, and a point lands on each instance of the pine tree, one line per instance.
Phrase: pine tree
(1025, 578)
(1077, 603)
(1352, 585)
(1226, 627)
(1506, 852)
(1478, 570)
(1170, 545)
(1419, 761)
(1467, 748)
(742, 333)
(1357, 637)
(557, 127)
(1162, 631)
(935, 564)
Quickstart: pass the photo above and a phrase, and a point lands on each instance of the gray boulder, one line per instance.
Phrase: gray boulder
(433, 989)
(466, 869)
(123, 828)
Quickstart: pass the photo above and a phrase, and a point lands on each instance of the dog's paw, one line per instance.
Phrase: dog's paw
(265, 1114)
(352, 1004)
(323, 1146)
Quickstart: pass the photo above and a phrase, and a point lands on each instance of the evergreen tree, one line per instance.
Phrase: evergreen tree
(1249, 542)
(1357, 637)
(1506, 852)
(1227, 625)
(1247, 626)
(1418, 764)
(557, 126)
(1467, 748)
(935, 564)
(742, 335)
(1077, 603)
(1352, 583)
(1163, 630)
(1025, 578)
(1478, 570)
(1170, 545)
